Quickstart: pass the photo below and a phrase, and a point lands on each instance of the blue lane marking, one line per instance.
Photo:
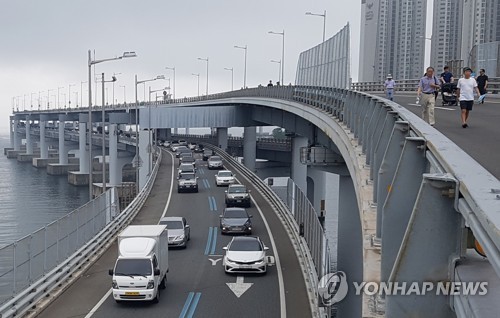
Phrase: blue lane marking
(186, 305)
(214, 241)
(193, 306)
(210, 203)
(209, 240)
(206, 183)
(214, 203)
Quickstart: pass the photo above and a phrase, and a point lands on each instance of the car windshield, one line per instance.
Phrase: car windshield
(186, 167)
(187, 176)
(215, 158)
(245, 245)
(235, 213)
(173, 225)
(225, 174)
(133, 267)
(237, 190)
(187, 159)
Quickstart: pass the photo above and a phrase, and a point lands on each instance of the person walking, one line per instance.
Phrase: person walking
(389, 85)
(465, 89)
(270, 84)
(482, 85)
(425, 95)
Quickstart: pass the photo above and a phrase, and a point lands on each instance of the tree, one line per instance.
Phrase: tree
(279, 133)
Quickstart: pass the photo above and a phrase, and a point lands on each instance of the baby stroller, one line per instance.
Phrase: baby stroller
(449, 95)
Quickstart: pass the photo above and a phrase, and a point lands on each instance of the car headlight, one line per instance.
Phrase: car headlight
(114, 284)
(248, 223)
(151, 284)
(179, 237)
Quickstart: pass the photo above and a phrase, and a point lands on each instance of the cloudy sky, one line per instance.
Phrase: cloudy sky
(45, 43)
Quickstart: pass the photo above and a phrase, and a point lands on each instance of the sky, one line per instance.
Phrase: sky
(45, 44)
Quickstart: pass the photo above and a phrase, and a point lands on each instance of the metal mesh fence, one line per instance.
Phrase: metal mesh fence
(29, 258)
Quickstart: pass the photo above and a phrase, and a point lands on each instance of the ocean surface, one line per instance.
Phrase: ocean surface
(30, 199)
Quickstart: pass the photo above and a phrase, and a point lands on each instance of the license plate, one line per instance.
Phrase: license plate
(245, 266)
(239, 201)
(132, 293)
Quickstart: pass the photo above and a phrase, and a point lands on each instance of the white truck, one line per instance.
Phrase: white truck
(142, 265)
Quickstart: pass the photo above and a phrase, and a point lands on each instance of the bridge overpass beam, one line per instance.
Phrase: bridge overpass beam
(249, 147)
(144, 156)
(299, 170)
(430, 247)
(83, 149)
(222, 137)
(63, 155)
(29, 140)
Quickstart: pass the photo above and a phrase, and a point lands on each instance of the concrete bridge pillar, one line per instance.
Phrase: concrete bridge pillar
(114, 168)
(83, 149)
(350, 246)
(176, 131)
(299, 170)
(222, 138)
(249, 147)
(11, 131)
(63, 154)
(44, 150)
(187, 130)
(29, 141)
(17, 138)
(165, 133)
(144, 157)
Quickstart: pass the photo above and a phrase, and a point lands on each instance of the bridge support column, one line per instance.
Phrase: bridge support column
(17, 137)
(144, 156)
(222, 138)
(83, 149)
(29, 141)
(44, 150)
(250, 147)
(11, 131)
(63, 155)
(187, 130)
(114, 169)
(430, 246)
(165, 133)
(299, 170)
(400, 200)
(350, 246)
(176, 131)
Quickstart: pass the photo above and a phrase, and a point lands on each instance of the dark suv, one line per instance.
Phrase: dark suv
(237, 195)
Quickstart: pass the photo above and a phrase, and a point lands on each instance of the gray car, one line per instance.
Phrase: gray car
(215, 162)
(178, 229)
(235, 220)
(237, 195)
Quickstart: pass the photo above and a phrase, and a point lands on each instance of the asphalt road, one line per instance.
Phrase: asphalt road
(481, 140)
(197, 285)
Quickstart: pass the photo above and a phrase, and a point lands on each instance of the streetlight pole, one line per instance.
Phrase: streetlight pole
(206, 60)
(282, 54)
(324, 21)
(48, 98)
(232, 76)
(245, 69)
(197, 75)
(90, 63)
(173, 69)
(136, 159)
(32, 100)
(279, 70)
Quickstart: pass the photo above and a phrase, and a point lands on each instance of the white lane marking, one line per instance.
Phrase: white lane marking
(276, 257)
(171, 185)
(214, 261)
(240, 287)
(103, 299)
(96, 307)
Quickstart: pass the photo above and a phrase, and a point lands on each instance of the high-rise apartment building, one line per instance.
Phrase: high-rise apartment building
(446, 41)
(392, 39)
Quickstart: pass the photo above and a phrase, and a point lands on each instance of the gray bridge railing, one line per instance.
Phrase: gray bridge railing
(34, 267)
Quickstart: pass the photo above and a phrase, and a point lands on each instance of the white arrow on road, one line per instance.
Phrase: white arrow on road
(239, 288)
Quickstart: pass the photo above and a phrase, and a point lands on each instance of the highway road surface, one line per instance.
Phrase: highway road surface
(197, 285)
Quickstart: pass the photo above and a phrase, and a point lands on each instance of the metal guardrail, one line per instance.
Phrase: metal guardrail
(411, 85)
(287, 219)
(81, 259)
(274, 144)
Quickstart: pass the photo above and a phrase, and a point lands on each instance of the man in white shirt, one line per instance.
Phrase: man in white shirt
(389, 85)
(465, 89)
